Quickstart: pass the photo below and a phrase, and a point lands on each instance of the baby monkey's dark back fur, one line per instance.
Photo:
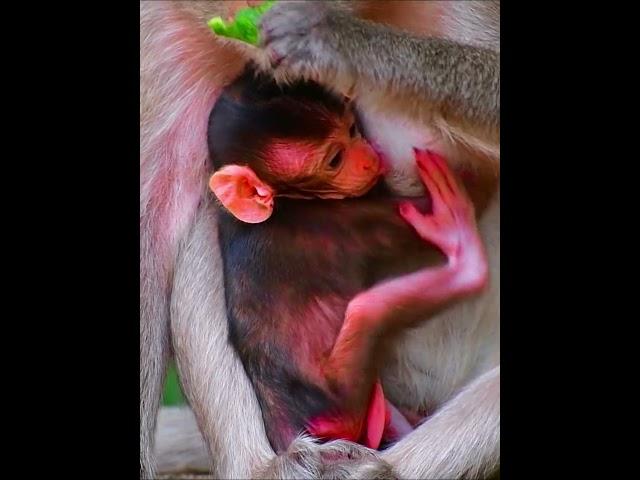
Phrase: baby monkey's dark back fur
(289, 279)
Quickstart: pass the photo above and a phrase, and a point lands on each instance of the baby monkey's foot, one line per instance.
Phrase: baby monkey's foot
(336, 460)
(347, 460)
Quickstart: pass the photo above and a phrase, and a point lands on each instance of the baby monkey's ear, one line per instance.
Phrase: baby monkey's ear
(241, 192)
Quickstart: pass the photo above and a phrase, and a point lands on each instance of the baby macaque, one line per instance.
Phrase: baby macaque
(315, 257)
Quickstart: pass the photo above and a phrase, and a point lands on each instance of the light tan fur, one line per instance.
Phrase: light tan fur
(449, 366)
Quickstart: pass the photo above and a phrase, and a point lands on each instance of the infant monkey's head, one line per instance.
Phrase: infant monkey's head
(297, 140)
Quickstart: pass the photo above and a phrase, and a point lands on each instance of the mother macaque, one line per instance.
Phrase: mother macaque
(410, 94)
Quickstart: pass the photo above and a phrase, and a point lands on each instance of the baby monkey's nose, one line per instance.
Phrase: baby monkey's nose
(367, 158)
(368, 163)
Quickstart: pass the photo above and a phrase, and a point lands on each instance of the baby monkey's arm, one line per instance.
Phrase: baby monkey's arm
(400, 302)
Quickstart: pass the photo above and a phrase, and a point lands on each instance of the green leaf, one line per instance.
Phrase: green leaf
(172, 392)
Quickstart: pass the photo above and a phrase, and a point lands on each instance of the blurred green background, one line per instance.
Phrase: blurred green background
(172, 391)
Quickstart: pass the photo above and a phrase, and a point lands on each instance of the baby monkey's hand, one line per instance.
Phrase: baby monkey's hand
(452, 225)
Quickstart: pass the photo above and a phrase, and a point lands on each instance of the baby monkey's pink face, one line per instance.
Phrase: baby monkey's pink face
(341, 165)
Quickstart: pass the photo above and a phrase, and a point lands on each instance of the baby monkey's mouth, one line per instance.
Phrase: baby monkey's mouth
(369, 187)
(384, 162)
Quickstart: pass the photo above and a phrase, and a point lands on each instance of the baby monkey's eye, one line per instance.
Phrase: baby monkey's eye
(336, 161)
